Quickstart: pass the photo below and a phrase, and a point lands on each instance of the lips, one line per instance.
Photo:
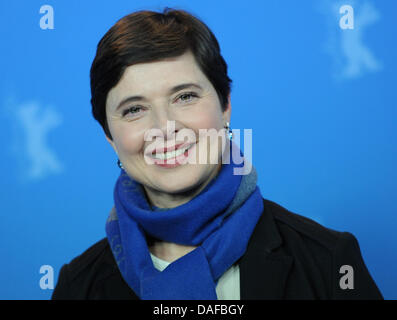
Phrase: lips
(176, 155)
(169, 149)
(171, 152)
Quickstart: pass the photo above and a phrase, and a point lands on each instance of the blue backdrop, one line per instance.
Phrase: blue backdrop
(320, 100)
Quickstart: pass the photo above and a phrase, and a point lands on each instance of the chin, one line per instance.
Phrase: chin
(183, 181)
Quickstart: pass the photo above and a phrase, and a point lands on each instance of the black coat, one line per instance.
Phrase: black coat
(288, 257)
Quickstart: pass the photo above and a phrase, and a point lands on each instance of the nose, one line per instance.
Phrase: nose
(166, 124)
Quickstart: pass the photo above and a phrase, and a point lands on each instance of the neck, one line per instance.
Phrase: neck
(169, 251)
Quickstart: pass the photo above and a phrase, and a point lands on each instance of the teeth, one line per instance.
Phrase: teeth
(170, 154)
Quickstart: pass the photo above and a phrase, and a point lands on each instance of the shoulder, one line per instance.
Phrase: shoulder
(322, 253)
(293, 225)
(78, 278)
(89, 258)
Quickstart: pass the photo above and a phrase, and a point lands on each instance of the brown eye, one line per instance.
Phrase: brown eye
(131, 110)
(186, 97)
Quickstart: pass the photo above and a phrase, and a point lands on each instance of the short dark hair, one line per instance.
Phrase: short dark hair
(147, 36)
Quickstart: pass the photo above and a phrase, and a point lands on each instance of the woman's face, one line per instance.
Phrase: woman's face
(160, 101)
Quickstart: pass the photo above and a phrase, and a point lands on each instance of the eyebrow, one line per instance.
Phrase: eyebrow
(171, 91)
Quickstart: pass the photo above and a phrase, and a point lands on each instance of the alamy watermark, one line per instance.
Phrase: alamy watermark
(347, 20)
(47, 280)
(347, 280)
(47, 19)
(186, 147)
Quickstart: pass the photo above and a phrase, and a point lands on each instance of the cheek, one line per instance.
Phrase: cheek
(209, 117)
(209, 149)
(128, 140)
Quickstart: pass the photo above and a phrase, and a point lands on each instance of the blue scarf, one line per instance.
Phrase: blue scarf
(219, 220)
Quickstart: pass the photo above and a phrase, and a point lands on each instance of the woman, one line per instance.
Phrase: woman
(188, 222)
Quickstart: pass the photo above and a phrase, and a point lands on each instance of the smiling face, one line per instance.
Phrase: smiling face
(176, 90)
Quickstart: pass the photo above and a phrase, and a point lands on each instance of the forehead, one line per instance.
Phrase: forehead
(158, 77)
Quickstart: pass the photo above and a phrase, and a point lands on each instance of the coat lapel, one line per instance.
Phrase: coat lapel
(263, 271)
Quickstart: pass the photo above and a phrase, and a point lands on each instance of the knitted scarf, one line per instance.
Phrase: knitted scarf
(219, 221)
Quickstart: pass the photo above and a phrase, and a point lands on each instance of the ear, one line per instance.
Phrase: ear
(112, 144)
(228, 111)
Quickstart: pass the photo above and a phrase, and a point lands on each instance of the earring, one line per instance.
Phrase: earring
(120, 164)
(227, 127)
